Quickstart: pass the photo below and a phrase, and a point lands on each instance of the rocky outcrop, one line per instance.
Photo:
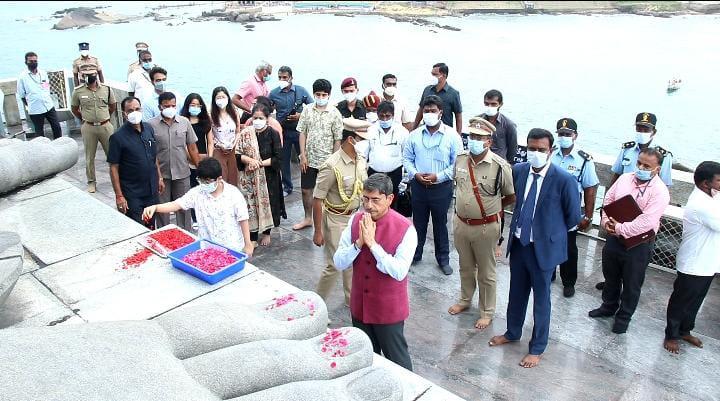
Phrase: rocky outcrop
(83, 16)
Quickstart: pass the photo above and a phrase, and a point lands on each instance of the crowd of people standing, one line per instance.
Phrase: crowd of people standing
(225, 170)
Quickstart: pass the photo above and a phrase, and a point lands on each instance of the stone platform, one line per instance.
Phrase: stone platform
(584, 360)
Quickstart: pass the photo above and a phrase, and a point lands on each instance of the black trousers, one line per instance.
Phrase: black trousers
(395, 177)
(568, 270)
(38, 121)
(624, 272)
(688, 294)
(433, 201)
(388, 339)
(136, 207)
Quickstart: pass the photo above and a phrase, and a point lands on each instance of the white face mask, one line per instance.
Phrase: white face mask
(436, 79)
(490, 111)
(391, 91)
(209, 187)
(135, 117)
(537, 159)
(259, 124)
(643, 138)
(169, 112)
(371, 116)
(350, 96)
(431, 119)
(359, 146)
(221, 102)
(283, 84)
(84, 53)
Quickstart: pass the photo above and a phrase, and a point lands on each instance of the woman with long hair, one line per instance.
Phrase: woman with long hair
(252, 180)
(195, 110)
(222, 138)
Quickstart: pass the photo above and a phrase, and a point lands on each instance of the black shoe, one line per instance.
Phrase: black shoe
(619, 328)
(600, 285)
(600, 312)
(568, 291)
(446, 269)
(552, 279)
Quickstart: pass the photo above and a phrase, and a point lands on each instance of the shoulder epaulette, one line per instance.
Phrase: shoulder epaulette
(628, 145)
(584, 155)
(662, 151)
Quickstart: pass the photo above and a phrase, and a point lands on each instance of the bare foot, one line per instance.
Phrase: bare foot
(693, 340)
(482, 323)
(303, 224)
(498, 251)
(672, 346)
(264, 240)
(530, 361)
(498, 340)
(457, 308)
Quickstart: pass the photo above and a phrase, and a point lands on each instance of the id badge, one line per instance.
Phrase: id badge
(45, 85)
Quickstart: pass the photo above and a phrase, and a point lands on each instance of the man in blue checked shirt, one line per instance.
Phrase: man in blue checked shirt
(580, 165)
(429, 158)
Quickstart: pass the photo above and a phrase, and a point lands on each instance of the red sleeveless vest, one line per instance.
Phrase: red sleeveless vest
(377, 298)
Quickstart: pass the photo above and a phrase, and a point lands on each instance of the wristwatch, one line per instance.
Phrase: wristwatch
(587, 218)
(355, 246)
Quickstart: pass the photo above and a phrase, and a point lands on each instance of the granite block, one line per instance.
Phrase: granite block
(30, 304)
(47, 158)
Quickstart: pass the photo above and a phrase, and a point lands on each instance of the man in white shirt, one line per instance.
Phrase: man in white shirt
(221, 209)
(33, 89)
(384, 151)
(697, 261)
(139, 79)
(402, 113)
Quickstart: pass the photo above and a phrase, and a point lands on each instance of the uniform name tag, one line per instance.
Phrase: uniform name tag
(84, 97)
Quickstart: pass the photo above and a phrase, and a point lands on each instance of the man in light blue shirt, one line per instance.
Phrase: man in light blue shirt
(33, 88)
(580, 165)
(626, 162)
(429, 159)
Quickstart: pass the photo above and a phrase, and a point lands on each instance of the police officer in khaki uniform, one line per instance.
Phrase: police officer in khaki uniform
(139, 46)
(84, 60)
(484, 185)
(333, 205)
(93, 103)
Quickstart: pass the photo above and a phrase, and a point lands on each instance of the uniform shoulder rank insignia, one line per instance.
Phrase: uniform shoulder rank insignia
(662, 151)
(584, 155)
(628, 145)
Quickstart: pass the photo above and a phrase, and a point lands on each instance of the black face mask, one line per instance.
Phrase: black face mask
(32, 65)
(90, 79)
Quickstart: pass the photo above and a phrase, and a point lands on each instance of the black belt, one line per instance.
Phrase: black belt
(97, 124)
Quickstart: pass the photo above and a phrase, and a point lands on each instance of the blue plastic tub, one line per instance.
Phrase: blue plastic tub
(177, 255)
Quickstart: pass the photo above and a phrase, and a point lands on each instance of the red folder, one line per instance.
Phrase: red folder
(624, 210)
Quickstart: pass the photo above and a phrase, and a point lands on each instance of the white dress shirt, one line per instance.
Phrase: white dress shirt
(396, 266)
(528, 184)
(384, 152)
(701, 235)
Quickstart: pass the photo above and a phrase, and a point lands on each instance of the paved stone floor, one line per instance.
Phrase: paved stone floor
(583, 361)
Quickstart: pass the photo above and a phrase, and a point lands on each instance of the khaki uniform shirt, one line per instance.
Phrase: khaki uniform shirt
(172, 141)
(94, 104)
(351, 170)
(486, 176)
(80, 62)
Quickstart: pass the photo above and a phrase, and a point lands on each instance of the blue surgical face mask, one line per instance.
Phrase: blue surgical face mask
(147, 65)
(643, 175)
(209, 187)
(194, 110)
(476, 146)
(266, 78)
(537, 159)
(565, 142)
(160, 85)
(321, 102)
(385, 124)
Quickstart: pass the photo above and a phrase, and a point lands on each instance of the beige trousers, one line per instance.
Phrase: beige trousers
(476, 248)
(91, 135)
(333, 226)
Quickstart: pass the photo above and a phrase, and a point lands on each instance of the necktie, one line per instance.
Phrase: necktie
(526, 215)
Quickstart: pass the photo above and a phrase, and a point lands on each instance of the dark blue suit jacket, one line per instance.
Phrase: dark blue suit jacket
(557, 210)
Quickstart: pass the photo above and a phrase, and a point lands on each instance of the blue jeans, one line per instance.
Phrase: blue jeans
(291, 138)
(433, 201)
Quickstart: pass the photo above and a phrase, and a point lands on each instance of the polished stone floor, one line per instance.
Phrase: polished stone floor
(583, 361)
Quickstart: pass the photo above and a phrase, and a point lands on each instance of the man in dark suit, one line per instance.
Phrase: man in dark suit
(547, 206)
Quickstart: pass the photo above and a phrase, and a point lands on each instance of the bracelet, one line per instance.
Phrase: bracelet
(587, 218)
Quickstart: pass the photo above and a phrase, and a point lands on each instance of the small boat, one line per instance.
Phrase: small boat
(674, 84)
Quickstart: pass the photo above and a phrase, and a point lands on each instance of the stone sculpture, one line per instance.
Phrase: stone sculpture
(24, 162)
(279, 350)
(11, 254)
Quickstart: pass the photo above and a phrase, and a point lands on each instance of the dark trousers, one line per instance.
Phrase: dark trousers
(136, 207)
(624, 272)
(291, 139)
(38, 121)
(434, 201)
(395, 177)
(525, 274)
(568, 269)
(688, 294)
(388, 339)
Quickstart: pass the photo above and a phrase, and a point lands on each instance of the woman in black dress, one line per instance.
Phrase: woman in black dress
(195, 110)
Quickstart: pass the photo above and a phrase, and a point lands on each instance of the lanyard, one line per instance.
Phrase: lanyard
(641, 191)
